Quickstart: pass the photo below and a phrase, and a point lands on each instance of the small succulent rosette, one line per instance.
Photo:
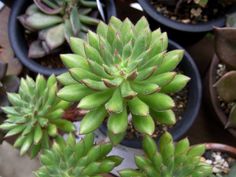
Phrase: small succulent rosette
(35, 115)
(8, 83)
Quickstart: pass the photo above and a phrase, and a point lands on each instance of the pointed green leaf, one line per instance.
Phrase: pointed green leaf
(92, 120)
(144, 124)
(138, 107)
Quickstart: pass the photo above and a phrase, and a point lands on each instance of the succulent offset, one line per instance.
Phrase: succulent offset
(120, 70)
(35, 115)
(70, 159)
(8, 83)
(169, 159)
(56, 21)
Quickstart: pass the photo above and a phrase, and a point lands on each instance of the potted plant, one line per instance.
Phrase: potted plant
(46, 26)
(114, 74)
(221, 79)
(111, 75)
(8, 83)
(187, 21)
(169, 159)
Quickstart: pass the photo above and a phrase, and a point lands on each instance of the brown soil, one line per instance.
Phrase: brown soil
(190, 13)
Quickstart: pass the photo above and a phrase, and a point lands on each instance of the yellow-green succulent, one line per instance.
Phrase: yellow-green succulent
(121, 69)
(35, 115)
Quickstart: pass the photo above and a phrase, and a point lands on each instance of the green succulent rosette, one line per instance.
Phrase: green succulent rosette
(35, 115)
(169, 159)
(120, 70)
(67, 158)
(8, 83)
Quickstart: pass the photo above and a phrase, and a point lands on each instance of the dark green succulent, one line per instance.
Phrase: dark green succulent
(169, 159)
(82, 159)
(122, 69)
(56, 21)
(35, 114)
(225, 42)
(7, 84)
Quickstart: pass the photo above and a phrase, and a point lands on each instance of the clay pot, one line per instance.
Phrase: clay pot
(221, 148)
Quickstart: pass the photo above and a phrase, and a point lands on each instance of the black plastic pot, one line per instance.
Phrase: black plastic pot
(190, 69)
(18, 41)
(184, 34)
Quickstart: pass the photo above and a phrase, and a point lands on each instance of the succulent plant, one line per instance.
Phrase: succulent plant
(169, 160)
(56, 21)
(35, 114)
(122, 69)
(70, 159)
(225, 42)
(8, 83)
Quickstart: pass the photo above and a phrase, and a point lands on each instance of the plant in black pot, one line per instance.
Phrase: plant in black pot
(115, 74)
(187, 21)
(48, 26)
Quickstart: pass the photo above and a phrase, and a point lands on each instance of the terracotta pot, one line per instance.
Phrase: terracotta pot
(222, 148)
(211, 95)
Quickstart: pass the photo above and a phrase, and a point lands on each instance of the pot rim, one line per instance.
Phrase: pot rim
(22, 51)
(222, 148)
(194, 28)
(213, 95)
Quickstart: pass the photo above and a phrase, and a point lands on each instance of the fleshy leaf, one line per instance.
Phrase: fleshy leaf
(225, 86)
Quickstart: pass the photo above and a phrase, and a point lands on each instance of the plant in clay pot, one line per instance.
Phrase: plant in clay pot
(55, 22)
(35, 115)
(8, 83)
(70, 158)
(120, 70)
(169, 159)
